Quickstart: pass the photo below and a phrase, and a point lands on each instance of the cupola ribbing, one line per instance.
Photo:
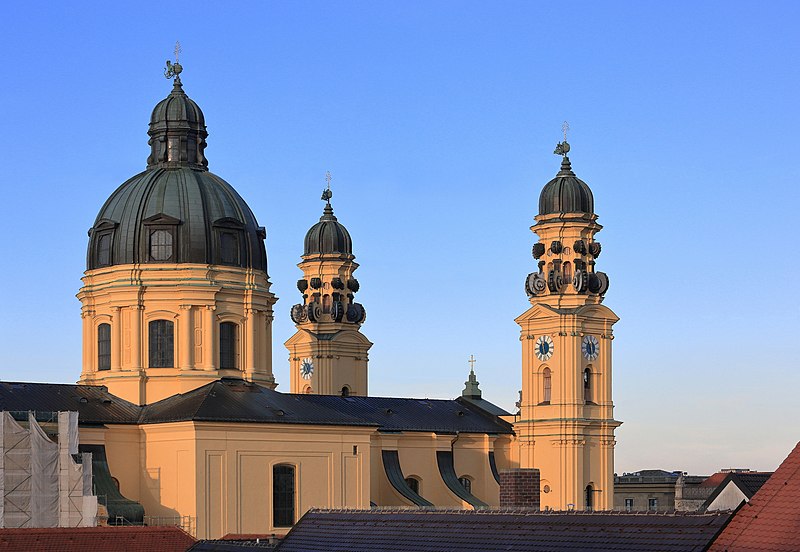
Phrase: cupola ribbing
(566, 193)
(177, 192)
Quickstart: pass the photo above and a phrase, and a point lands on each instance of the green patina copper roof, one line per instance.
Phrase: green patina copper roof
(328, 236)
(566, 193)
(178, 192)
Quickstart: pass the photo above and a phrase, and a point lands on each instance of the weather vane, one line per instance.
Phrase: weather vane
(563, 147)
(327, 194)
(173, 70)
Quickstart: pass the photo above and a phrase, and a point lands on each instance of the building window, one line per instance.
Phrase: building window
(161, 245)
(567, 271)
(587, 385)
(589, 498)
(345, 391)
(629, 505)
(283, 495)
(229, 248)
(547, 384)
(326, 303)
(413, 484)
(228, 345)
(104, 347)
(104, 250)
(162, 344)
(652, 504)
(466, 482)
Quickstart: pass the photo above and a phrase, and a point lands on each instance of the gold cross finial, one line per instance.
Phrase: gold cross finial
(471, 363)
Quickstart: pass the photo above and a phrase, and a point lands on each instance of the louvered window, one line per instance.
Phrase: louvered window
(547, 384)
(283, 495)
(162, 344)
(104, 347)
(229, 248)
(104, 250)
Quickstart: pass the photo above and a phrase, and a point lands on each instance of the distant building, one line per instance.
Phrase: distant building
(645, 491)
(736, 488)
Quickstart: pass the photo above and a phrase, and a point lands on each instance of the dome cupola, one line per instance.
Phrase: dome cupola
(176, 211)
(566, 193)
(328, 236)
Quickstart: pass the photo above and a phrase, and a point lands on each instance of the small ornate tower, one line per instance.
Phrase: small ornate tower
(328, 355)
(176, 292)
(566, 425)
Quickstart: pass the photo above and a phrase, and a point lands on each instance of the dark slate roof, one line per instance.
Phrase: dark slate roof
(771, 520)
(234, 400)
(496, 530)
(95, 539)
(430, 415)
(486, 406)
(566, 193)
(237, 543)
(94, 404)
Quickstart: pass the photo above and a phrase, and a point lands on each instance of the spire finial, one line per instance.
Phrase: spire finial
(563, 147)
(327, 194)
(471, 389)
(174, 69)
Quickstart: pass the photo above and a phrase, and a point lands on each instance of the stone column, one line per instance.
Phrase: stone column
(136, 338)
(116, 339)
(209, 361)
(251, 341)
(186, 361)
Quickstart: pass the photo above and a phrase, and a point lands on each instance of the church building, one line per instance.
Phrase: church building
(177, 401)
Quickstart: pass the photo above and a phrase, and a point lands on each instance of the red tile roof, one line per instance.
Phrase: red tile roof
(493, 530)
(714, 480)
(96, 539)
(770, 522)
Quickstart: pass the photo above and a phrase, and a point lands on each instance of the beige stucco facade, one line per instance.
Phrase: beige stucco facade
(566, 423)
(196, 299)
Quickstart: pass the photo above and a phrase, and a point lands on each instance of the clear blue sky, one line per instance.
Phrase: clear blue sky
(438, 122)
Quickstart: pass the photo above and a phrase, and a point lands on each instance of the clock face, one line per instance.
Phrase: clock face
(590, 347)
(544, 347)
(307, 368)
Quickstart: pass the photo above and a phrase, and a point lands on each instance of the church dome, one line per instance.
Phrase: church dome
(328, 236)
(566, 193)
(176, 211)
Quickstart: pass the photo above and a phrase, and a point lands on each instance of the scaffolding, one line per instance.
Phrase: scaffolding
(41, 483)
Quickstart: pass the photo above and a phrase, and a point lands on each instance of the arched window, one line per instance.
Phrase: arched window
(326, 304)
(161, 245)
(466, 482)
(587, 385)
(547, 384)
(228, 345)
(283, 491)
(589, 498)
(345, 391)
(567, 272)
(162, 344)
(104, 347)
(413, 484)
(308, 390)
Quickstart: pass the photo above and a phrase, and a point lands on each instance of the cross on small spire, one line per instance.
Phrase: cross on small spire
(327, 194)
(471, 363)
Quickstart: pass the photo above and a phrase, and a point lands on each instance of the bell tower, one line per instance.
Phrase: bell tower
(328, 354)
(566, 424)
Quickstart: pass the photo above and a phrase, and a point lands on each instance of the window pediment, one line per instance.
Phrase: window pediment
(161, 219)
